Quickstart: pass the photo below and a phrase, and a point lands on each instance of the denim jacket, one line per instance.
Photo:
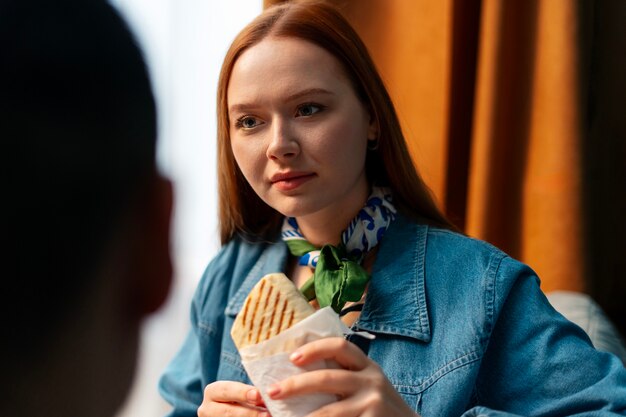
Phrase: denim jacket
(461, 329)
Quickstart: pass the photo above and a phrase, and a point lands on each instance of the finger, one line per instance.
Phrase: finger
(231, 391)
(345, 353)
(331, 381)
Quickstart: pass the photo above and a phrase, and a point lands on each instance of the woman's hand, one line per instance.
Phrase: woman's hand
(361, 386)
(231, 399)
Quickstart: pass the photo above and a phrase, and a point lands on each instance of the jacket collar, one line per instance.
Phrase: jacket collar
(396, 299)
(272, 259)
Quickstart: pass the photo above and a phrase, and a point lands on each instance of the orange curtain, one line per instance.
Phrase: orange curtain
(525, 183)
(499, 101)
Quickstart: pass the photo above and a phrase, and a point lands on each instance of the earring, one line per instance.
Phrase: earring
(372, 144)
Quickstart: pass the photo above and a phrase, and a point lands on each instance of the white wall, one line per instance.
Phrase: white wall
(184, 42)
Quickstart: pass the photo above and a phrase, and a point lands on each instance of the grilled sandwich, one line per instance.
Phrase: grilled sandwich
(273, 305)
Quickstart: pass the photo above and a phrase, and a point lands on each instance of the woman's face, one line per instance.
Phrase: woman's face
(298, 131)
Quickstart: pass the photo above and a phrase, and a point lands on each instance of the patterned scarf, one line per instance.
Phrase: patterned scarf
(338, 276)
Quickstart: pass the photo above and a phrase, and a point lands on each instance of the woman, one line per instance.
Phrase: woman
(309, 143)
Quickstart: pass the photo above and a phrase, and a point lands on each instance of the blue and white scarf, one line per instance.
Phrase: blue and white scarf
(362, 234)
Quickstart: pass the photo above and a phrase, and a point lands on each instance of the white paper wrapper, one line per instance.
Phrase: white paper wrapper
(268, 362)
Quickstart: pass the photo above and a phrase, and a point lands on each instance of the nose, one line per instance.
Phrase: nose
(283, 143)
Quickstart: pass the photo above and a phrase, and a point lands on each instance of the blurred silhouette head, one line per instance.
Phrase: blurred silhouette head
(86, 222)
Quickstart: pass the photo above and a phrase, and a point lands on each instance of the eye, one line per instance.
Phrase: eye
(308, 109)
(247, 122)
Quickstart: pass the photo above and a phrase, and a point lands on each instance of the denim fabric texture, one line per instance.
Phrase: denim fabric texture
(461, 329)
(585, 312)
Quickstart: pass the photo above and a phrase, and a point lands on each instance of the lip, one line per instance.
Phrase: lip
(287, 181)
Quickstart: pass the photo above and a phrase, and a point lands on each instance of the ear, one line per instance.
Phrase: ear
(373, 128)
(151, 271)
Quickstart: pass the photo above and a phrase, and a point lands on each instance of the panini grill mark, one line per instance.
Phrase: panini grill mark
(267, 299)
(276, 303)
(291, 318)
(264, 313)
(258, 335)
(256, 307)
(282, 316)
(245, 312)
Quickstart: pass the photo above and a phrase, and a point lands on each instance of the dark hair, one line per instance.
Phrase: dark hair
(78, 129)
(241, 210)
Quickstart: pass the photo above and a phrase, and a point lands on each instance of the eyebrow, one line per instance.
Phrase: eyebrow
(294, 96)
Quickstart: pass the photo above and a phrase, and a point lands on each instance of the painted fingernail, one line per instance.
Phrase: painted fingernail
(252, 396)
(273, 390)
(295, 356)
